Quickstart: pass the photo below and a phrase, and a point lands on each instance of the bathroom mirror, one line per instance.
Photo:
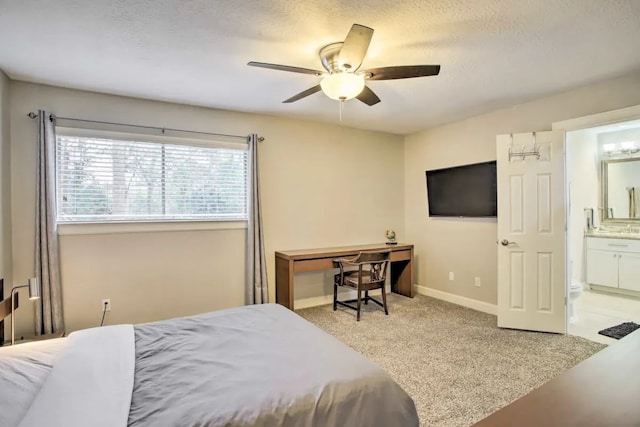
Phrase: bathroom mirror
(621, 190)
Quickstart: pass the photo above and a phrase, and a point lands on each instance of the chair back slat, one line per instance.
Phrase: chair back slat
(373, 256)
(378, 262)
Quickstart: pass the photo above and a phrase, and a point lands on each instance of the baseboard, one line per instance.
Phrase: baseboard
(614, 291)
(328, 299)
(485, 307)
(312, 302)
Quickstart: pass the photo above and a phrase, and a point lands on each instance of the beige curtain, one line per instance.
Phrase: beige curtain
(257, 290)
(47, 264)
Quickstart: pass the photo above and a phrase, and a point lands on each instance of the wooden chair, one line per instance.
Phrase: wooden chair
(371, 274)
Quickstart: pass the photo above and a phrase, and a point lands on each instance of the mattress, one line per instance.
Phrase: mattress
(258, 365)
(23, 370)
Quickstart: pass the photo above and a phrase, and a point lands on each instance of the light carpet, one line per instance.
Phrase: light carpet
(455, 363)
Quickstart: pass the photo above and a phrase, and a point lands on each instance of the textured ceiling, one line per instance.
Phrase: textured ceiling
(494, 53)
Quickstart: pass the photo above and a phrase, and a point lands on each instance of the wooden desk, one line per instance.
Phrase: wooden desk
(602, 391)
(298, 261)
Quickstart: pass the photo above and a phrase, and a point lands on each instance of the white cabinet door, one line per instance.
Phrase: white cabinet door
(629, 271)
(602, 268)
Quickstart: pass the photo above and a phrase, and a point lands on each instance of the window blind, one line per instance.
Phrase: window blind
(101, 180)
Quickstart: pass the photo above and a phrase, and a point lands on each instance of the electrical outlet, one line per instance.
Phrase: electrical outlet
(106, 302)
(451, 275)
(477, 282)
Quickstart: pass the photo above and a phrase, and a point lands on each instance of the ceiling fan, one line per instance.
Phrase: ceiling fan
(343, 79)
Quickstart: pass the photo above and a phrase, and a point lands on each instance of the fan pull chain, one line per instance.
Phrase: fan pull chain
(340, 108)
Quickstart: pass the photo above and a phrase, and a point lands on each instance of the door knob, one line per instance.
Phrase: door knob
(505, 242)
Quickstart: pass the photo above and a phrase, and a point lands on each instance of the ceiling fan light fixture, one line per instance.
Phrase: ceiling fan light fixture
(342, 85)
(342, 60)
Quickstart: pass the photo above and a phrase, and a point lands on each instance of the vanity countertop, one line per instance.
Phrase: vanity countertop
(612, 235)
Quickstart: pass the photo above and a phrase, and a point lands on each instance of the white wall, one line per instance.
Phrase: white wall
(583, 166)
(616, 137)
(322, 185)
(5, 191)
(467, 247)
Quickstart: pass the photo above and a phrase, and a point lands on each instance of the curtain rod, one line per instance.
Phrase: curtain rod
(33, 115)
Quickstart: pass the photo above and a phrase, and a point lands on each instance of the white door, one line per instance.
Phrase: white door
(532, 283)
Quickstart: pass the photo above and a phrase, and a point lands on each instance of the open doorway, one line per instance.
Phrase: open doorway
(603, 228)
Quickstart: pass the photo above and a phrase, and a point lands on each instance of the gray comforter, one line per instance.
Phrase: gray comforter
(257, 366)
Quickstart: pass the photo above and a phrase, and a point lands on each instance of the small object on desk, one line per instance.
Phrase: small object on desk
(391, 237)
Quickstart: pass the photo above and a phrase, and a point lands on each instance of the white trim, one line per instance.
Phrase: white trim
(485, 307)
(146, 227)
(608, 117)
(144, 135)
(328, 299)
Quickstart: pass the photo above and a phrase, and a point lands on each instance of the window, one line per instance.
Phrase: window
(130, 178)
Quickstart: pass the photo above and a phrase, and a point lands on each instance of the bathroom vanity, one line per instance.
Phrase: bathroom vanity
(613, 250)
(613, 261)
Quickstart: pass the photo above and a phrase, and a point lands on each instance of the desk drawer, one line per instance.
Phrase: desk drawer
(401, 255)
(301, 266)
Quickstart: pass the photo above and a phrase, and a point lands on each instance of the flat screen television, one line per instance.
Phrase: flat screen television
(463, 191)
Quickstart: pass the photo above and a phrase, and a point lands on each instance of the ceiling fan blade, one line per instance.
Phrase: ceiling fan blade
(355, 46)
(285, 68)
(302, 94)
(368, 97)
(401, 72)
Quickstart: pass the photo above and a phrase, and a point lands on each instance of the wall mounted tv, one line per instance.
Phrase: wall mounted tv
(463, 191)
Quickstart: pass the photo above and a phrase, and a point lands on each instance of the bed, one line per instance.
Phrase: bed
(258, 365)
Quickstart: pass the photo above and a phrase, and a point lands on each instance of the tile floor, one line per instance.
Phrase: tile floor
(596, 311)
